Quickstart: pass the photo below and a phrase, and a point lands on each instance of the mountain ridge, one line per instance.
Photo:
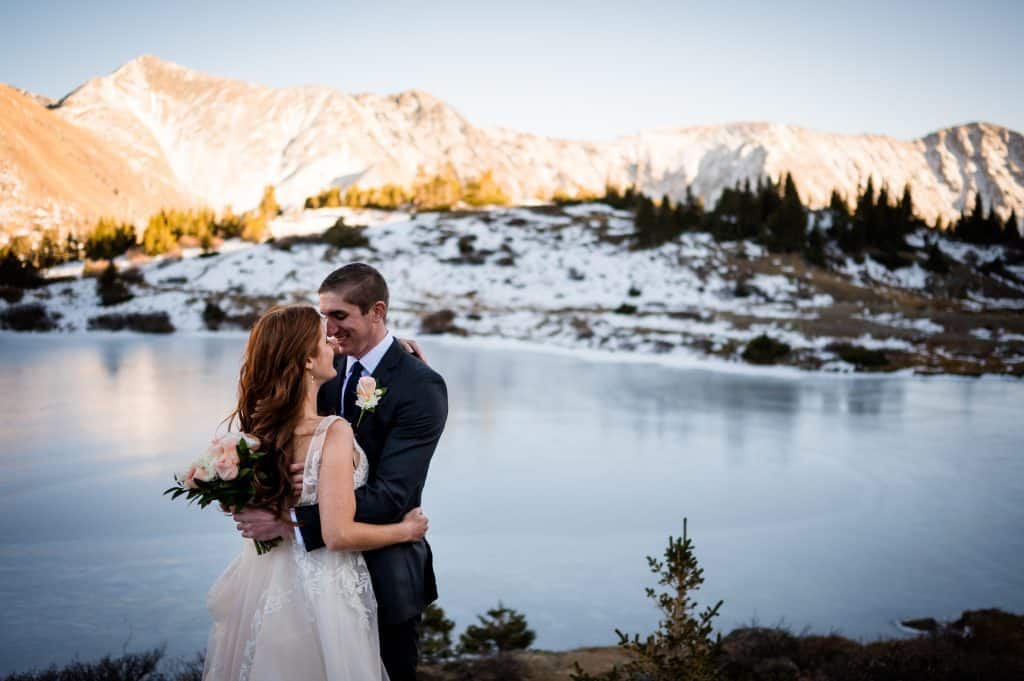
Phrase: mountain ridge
(219, 141)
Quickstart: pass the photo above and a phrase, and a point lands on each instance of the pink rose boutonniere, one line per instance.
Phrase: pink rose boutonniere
(368, 396)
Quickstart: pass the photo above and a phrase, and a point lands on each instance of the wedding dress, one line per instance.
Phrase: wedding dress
(292, 614)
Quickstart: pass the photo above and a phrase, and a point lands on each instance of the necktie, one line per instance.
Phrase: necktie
(348, 400)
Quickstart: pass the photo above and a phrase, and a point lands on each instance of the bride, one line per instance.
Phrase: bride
(293, 614)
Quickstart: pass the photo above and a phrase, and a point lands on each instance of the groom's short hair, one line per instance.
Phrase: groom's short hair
(358, 284)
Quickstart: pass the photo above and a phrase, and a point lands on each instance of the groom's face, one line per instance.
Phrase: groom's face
(355, 332)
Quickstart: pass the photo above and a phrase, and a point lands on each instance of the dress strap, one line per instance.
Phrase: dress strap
(311, 473)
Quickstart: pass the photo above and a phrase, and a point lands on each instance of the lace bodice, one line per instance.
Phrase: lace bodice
(311, 474)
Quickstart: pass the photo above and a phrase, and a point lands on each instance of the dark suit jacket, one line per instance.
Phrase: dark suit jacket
(399, 438)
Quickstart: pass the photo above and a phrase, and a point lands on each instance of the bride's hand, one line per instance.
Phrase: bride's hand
(413, 348)
(415, 524)
(333, 342)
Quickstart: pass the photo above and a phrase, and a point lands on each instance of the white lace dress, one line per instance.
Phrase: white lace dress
(289, 614)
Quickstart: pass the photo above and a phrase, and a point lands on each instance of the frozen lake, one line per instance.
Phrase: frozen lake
(825, 502)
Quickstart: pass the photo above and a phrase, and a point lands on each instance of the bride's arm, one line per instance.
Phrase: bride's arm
(338, 502)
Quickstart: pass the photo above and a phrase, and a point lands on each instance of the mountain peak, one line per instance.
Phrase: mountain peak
(150, 63)
(220, 141)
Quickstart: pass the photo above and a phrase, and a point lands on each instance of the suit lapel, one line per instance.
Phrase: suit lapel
(388, 363)
(382, 374)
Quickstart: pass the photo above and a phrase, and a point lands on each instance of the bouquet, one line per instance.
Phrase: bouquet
(227, 472)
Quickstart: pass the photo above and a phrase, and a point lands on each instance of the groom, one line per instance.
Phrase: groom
(399, 437)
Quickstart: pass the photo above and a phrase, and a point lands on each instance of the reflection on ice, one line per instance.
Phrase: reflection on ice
(833, 502)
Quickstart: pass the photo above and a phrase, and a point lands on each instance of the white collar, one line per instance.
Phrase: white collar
(371, 359)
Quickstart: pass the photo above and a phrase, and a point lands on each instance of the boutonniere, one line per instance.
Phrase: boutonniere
(368, 396)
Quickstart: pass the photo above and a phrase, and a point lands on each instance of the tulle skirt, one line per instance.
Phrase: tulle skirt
(289, 614)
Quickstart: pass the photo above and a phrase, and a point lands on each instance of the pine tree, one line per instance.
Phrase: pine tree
(936, 260)
(158, 237)
(814, 249)
(629, 197)
(665, 222)
(907, 206)
(840, 214)
(787, 227)
(684, 647)
(435, 635)
(108, 240)
(72, 246)
(879, 227)
(1011, 231)
(974, 224)
(485, 191)
(51, 250)
(861, 223)
(268, 204)
(111, 287)
(906, 221)
(747, 219)
(331, 198)
(502, 630)
(866, 203)
(440, 192)
(17, 272)
(645, 220)
(254, 227)
(229, 226)
(722, 221)
(693, 210)
(612, 196)
(679, 217)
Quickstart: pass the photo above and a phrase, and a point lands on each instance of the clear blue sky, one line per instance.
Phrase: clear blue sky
(589, 70)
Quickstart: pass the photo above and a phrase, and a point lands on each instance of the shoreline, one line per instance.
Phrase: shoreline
(978, 640)
(561, 279)
(676, 361)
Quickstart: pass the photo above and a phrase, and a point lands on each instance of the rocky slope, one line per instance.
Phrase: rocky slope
(56, 173)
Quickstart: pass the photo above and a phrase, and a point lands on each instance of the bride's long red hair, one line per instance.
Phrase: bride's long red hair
(271, 391)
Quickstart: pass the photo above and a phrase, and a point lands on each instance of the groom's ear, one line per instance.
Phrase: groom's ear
(379, 311)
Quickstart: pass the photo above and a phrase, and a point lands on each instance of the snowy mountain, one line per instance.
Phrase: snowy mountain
(56, 174)
(219, 142)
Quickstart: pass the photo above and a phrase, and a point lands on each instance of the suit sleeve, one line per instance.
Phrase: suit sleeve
(405, 456)
(402, 469)
(309, 526)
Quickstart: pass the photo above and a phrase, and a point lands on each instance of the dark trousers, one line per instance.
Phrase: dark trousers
(399, 648)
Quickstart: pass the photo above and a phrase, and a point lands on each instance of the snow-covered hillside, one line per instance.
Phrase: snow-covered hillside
(565, 277)
(221, 141)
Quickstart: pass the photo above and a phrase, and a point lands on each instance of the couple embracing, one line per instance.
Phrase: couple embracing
(352, 416)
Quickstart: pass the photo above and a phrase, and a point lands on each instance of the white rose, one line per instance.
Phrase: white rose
(205, 474)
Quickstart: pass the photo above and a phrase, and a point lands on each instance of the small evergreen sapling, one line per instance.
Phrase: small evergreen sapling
(684, 647)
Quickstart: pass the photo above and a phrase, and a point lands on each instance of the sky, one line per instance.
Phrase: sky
(580, 70)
